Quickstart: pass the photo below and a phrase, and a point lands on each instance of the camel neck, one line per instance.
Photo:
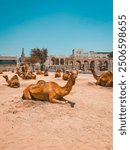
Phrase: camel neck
(67, 88)
(95, 75)
(7, 79)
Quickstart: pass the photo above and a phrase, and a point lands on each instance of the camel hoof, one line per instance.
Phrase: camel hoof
(72, 105)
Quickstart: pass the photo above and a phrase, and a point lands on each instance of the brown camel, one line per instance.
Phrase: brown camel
(66, 75)
(24, 67)
(29, 75)
(20, 74)
(105, 79)
(13, 82)
(50, 91)
(24, 72)
(39, 72)
(58, 73)
(26, 75)
(46, 72)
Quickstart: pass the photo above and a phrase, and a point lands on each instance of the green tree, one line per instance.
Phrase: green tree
(39, 55)
(32, 60)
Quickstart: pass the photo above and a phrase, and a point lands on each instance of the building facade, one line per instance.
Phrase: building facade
(82, 60)
(8, 63)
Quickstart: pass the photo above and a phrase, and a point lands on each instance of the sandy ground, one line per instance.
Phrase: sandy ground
(26, 125)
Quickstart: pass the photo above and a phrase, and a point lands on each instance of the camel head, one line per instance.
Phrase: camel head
(6, 77)
(58, 70)
(15, 77)
(73, 77)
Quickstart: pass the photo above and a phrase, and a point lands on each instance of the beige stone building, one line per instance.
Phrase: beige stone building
(82, 60)
(8, 63)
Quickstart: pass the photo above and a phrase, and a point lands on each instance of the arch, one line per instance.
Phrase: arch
(92, 64)
(57, 61)
(99, 65)
(61, 61)
(86, 65)
(78, 64)
(53, 61)
(105, 65)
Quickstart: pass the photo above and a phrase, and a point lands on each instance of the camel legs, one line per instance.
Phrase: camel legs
(71, 103)
(98, 82)
(109, 84)
(58, 101)
(62, 101)
(26, 94)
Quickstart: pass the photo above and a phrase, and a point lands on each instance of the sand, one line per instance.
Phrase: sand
(26, 125)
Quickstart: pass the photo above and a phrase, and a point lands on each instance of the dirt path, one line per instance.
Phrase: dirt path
(45, 126)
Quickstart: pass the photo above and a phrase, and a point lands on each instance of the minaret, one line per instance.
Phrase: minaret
(22, 55)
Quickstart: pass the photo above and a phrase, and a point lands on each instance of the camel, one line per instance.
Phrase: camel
(24, 67)
(25, 72)
(58, 73)
(66, 75)
(74, 71)
(13, 82)
(39, 72)
(29, 75)
(26, 75)
(105, 79)
(50, 91)
(46, 72)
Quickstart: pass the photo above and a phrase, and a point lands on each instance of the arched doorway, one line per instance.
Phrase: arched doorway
(99, 65)
(105, 66)
(57, 61)
(61, 61)
(86, 65)
(78, 65)
(92, 64)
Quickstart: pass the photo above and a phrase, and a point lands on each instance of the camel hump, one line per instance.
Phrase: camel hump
(36, 89)
(14, 77)
(40, 82)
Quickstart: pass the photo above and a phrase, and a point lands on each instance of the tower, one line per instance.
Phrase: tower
(22, 55)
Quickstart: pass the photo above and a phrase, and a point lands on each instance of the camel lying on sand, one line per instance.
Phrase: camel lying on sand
(50, 91)
(58, 73)
(66, 75)
(29, 75)
(26, 75)
(13, 82)
(39, 72)
(46, 72)
(105, 79)
(24, 72)
(24, 67)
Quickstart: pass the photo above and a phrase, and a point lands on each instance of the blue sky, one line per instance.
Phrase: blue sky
(58, 25)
